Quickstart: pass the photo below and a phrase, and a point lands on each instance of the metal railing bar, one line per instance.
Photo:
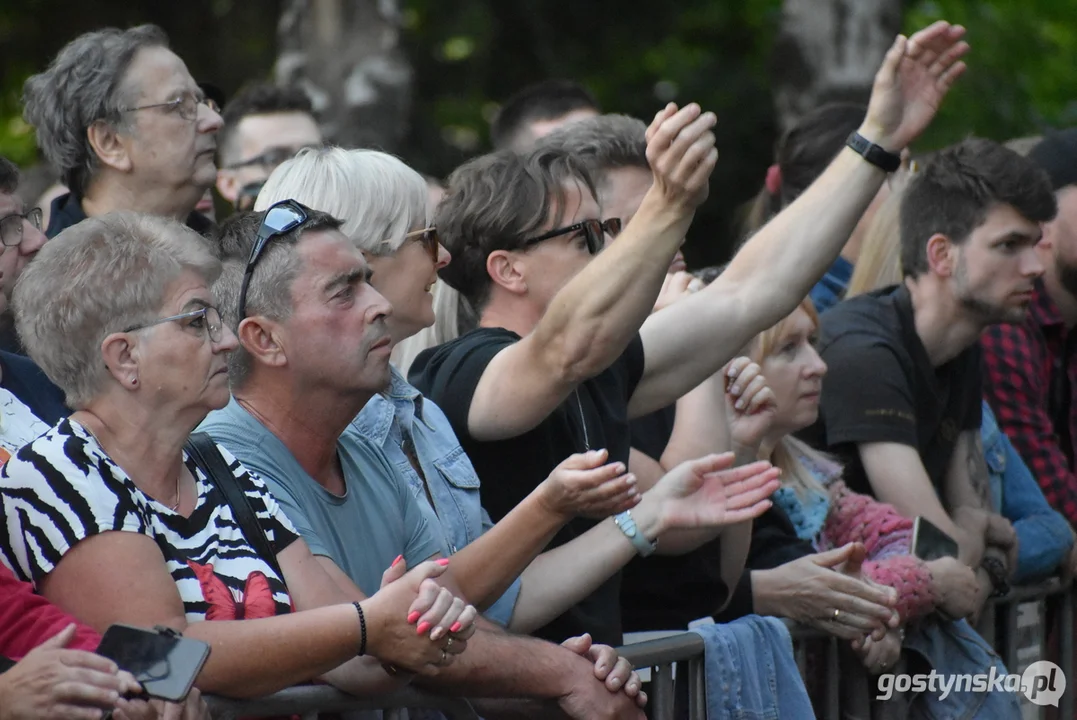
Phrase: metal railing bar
(662, 692)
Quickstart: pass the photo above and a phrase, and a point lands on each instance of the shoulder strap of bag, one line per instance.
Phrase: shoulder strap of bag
(201, 447)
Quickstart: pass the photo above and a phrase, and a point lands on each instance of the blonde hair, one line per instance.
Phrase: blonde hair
(377, 197)
(879, 264)
(791, 455)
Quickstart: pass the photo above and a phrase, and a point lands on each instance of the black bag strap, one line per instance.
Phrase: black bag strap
(201, 447)
(6, 664)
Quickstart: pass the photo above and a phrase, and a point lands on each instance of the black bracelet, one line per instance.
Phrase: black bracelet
(996, 570)
(362, 629)
(877, 156)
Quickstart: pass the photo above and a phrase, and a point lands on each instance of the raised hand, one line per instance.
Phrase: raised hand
(584, 485)
(915, 76)
(676, 286)
(707, 493)
(681, 153)
(750, 404)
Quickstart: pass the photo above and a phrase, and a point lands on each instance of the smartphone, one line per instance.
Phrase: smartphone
(164, 662)
(930, 543)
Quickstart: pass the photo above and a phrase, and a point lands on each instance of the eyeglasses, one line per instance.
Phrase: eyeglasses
(594, 231)
(280, 218)
(271, 158)
(186, 106)
(209, 316)
(11, 226)
(248, 195)
(429, 239)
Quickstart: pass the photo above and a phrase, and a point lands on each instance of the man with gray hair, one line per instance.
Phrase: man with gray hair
(122, 120)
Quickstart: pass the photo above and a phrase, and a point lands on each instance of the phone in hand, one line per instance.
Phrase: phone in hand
(931, 543)
(164, 662)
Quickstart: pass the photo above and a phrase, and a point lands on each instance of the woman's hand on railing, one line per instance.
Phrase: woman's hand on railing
(955, 585)
(610, 668)
(432, 631)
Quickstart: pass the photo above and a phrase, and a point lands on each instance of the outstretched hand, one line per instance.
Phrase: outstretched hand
(707, 492)
(585, 485)
(915, 76)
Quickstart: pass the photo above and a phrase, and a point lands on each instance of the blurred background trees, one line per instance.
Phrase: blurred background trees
(422, 78)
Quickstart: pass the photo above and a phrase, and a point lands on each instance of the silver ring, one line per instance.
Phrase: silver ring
(448, 643)
(836, 613)
(444, 657)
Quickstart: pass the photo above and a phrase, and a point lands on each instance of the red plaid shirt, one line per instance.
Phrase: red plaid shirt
(1018, 361)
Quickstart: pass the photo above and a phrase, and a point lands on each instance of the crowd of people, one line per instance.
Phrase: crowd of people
(373, 430)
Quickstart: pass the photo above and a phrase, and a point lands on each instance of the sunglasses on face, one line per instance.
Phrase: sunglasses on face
(594, 232)
(280, 219)
(428, 238)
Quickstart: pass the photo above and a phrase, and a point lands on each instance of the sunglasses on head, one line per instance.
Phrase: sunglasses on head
(280, 219)
(594, 232)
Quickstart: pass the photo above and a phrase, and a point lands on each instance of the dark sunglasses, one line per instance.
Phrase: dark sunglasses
(594, 231)
(429, 239)
(280, 218)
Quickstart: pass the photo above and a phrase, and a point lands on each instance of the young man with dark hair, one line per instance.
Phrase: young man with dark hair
(264, 125)
(538, 109)
(568, 351)
(1030, 377)
(901, 403)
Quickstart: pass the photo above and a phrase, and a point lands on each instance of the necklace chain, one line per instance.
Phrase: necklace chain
(173, 507)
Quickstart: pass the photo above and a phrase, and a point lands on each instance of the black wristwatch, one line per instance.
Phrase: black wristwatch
(877, 156)
(1000, 578)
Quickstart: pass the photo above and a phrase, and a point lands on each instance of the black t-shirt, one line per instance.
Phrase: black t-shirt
(664, 592)
(881, 387)
(510, 469)
(28, 383)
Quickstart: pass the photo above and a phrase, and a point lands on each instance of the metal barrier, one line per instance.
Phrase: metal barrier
(1000, 624)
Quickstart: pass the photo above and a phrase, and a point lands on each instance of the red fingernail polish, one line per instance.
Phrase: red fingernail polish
(423, 627)
(443, 562)
(455, 627)
(413, 616)
(397, 561)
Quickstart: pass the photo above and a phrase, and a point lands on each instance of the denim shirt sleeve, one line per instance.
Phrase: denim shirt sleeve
(501, 611)
(1043, 534)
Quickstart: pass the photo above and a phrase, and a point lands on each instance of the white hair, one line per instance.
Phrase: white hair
(378, 198)
(100, 276)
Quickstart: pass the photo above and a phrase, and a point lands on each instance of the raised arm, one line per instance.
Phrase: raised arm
(774, 271)
(595, 315)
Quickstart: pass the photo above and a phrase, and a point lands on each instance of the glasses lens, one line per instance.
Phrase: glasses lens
(430, 237)
(213, 322)
(282, 218)
(11, 230)
(612, 226)
(596, 238)
(34, 216)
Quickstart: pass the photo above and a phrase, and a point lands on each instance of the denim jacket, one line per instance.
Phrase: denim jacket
(1043, 534)
(453, 505)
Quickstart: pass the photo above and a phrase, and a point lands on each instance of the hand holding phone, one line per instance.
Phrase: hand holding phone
(164, 662)
(931, 543)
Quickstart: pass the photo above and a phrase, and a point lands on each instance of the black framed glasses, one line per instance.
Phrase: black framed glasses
(186, 106)
(208, 315)
(11, 226)
(280, 218)
(594, 231)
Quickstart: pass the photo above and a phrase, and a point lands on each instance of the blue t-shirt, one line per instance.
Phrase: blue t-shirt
(29, 384)
(829, 291)
(376, 520)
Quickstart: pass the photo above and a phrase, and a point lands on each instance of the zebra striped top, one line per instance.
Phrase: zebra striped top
(63, 488)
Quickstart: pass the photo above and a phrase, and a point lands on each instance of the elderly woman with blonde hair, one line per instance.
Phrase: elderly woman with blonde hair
(386, 214)
(118, 515)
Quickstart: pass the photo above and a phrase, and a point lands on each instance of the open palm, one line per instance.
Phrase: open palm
(915, 76)
(709, 493)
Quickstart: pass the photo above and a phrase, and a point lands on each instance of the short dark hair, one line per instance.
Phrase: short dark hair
(802, 154)
(258, 99)
(956, 189)
(495, 202)
(9, 176)
(546, 100)
(269, 293)
(604, 143)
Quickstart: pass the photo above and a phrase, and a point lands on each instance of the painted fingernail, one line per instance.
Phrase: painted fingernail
(740, 404)
(443, 562)
(397, 561)
(423, 627)
(413, 616)
(455, 627)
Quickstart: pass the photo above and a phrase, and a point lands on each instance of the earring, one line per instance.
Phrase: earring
(134, 382)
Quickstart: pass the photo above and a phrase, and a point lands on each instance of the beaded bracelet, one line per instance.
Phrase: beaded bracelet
(362, 629)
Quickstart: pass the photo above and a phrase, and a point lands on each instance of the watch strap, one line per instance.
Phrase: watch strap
(628, 526)
(877, 156)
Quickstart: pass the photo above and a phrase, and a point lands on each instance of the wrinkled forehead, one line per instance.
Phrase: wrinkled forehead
(156, 74)
(327, 256)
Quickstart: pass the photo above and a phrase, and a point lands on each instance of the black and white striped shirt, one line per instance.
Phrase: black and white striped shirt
(63, 488)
